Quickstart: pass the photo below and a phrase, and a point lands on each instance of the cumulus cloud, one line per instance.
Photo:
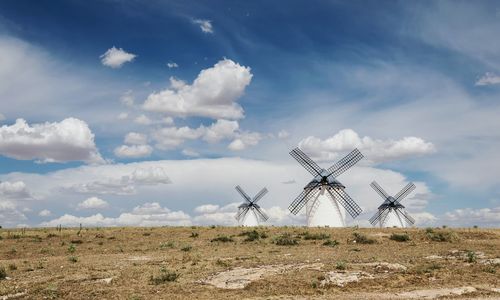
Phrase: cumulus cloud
(45, 213)
(283, 134)
(143, 120)
(485, 217)
(190, 153)
(68, 140)
(121, 183)
(171, 65)
(10, 215)
(488, 79)
(213, 93)
(374, 150)
(243, 140)
(93, 203)
(205, 25)
(127, 98)
(122, 116)
(206, 208)
(16, 190)
(133, 151)
(210, 214)
(134, 138)
(116, 57)
(148, 214)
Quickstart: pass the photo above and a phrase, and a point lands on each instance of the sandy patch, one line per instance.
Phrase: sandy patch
(138, 258)
(342, 278)
(384, 266)
(13, 296)
(436, 293)
(239, 278)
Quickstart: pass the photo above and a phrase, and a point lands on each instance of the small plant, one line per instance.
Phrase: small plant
(194, 234)
(427, 268)
(285, 240)
(212, 226)
(316, 236)
(253, 235)
(222, 263)
(3, 273)
(12, 251)
(475, 226)
(442, 236)
(51, 235)
(76, 242)
(429, 230)
(73, 259)
(223, 239)
(164, 276)
(330, 243)
(400, 237)
(12, 267)
(146, 234)
(167, 245)
(490, 269)
(341, 265)
(71, 248)
(360, 238)
(471, 257)
(186, 248)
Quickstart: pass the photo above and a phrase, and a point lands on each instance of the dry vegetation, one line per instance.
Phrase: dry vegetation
(266, 263)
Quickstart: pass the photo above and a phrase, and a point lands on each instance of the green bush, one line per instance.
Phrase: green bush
(341, 265)
(471, 257)
(360, 238)
(194, 234)
(3, 273)
(253, 235)
(400, 237)
(330, 243)
(285, 240)
(442, 236)
(73, 259)
(186, 248)
(316, 236)
(222, 239)
(164, 276)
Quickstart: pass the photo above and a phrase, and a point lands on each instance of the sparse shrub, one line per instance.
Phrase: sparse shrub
(194, 234)
(285, 240)
(223, 239)
(12, 251)
(490, 269)
(167, 245)
(3, 273)
(12, 267)
(73, 259)
(99, 236)
(427, 268)
(253, 235)
(212, 226)
(146, 234)
(330, 243)
(341, 265)
(360, 238)
(475, 226)
(76, 242)
(471, 257)
(223, 263)
(71, 248)
(400, 237)
(316, 236)
(186, 248)
(444, 226)
(442, 236)
(164, 276)
(429, 230)
(51, 235)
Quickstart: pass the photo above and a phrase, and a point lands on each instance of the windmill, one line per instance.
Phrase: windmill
(392, 213)
(324, 197)
(249, 212)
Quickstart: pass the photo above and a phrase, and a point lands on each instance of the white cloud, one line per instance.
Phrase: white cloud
(68, 140)
(244, 140)
(283, 134)
(488, 79)
(143, 120)
(206, 209)
(205, 25)
(171, 65)
(213, 93)
(10, 214)
(149, 214)
(45, 213)
(127, 98)
(484, 217)
(171, 137)
(123, 116)
(373, 150)
(219, 130)
(93, 203)
(134, 138)
(116, 57)
(190, 153)
(16, 190)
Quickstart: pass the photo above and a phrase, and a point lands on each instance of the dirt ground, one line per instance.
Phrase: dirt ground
(235, 263)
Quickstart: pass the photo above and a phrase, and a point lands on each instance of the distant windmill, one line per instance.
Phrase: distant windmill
(324, 197)
(392, 213)
(249, 212)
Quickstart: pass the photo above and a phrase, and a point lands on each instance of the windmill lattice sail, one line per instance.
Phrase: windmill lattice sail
(324, 197)
(249, 212)
(391, 213)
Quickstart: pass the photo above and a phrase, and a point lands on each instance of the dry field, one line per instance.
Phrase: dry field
(234, 262)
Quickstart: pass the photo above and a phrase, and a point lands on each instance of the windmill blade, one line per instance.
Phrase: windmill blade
(259, 195)
(346, 201)
(243, 194)
(409, 220)
(345, 163)
(373, 220)
(305, 161)
(404, 192)
(241, 213)
(261, 213)
(379, 190)
(384, 217)
(301, 199)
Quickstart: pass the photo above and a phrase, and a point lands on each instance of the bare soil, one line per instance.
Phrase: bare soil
(187, 263)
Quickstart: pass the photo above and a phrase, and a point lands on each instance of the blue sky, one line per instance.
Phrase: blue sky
(150, 113)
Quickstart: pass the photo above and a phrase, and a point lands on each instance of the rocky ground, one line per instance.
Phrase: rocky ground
(257, 263)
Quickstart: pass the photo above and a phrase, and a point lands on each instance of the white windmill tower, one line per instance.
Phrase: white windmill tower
(324, 197)
(392, 213)
(249, 212)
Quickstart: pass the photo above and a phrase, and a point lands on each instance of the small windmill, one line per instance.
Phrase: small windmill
(249, 212)
(392, 213)
(324, 197)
